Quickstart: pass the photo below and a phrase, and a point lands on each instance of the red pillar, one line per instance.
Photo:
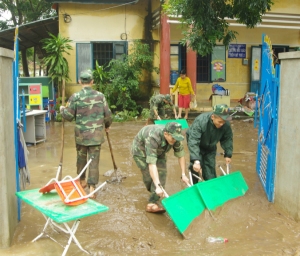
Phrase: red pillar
(191, 69)
(164, 55)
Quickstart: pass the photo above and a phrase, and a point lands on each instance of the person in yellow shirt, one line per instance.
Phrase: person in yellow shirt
(184, 85)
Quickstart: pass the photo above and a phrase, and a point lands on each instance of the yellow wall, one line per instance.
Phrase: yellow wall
(285, 6)
(95, 22)
(238, 75)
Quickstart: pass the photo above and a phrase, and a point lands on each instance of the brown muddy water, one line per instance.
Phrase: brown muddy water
(252, 225)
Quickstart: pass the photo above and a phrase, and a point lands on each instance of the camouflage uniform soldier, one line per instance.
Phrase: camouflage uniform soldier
(149, 150)
(157, 104)
(91, 113)
(202, 137)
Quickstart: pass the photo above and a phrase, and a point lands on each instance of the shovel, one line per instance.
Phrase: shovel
(183, 207)
(227, 169)
(198, 177)
(112, 157)
(216, 192)
(186, 205)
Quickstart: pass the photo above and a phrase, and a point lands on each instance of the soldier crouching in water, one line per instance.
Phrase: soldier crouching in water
(91, 113)
(149, 150)
(157, 107)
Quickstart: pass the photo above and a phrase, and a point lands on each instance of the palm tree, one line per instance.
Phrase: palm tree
(57, 64)
(58, 68)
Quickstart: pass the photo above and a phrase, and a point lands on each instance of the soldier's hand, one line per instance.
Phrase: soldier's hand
(159, 191)
(185, 179)
(227, 160)
(197, 168)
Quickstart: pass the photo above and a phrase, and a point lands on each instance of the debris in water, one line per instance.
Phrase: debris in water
(117, 176)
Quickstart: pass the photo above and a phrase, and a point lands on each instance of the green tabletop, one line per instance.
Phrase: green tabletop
(52, 206)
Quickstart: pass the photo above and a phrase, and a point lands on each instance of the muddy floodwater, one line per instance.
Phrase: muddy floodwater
(252, 225)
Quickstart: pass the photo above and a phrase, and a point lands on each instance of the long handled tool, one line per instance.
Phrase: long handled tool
(227, 169)
(198, 177)
(161, 187)
(62, 131)
(222, 170)
(186, 205)
(183, 207)
(113, 159)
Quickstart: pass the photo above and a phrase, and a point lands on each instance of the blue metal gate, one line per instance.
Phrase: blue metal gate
(268, 119)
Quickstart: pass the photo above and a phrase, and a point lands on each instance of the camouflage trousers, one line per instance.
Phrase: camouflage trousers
(208, 165)
(162, 173)
(161, 112)
(88, 152)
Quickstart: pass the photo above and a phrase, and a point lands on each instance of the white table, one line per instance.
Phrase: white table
(35, 126)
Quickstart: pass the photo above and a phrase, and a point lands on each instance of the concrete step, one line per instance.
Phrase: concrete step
(194, 113)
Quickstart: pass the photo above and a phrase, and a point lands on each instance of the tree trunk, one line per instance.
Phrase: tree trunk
(62, 131)
(58, 90)
(24, 63)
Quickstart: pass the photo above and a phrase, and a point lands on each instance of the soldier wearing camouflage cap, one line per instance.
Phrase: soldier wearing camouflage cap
(157, 107)
(202, 137)
(91, 113)
(149, 149)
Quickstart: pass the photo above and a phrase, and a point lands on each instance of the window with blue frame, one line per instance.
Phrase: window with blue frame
(103, 52)
(210, 68)
(177, 57)
(203, 68)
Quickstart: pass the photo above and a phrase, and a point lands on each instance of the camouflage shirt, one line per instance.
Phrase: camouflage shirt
(90, 111)
(157, 102)
(203, 135)
(150, 143)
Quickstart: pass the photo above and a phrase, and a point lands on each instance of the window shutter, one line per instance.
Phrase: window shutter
(119, 50)
(84, 58)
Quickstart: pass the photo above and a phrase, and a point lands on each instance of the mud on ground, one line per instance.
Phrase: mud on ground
(252, 225)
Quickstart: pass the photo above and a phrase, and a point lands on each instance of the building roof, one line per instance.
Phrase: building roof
(94, 1)
(30, 34)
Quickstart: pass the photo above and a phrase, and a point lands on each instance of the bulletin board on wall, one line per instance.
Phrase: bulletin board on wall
(255, 68)
(218, 64)
(255, 63)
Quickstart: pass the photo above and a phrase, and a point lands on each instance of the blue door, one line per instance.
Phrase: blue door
(268, 119)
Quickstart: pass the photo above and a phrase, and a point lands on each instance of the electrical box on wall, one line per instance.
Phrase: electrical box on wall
(245, 62)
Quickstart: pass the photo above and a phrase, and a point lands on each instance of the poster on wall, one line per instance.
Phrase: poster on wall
(218, 64)
(255, 63)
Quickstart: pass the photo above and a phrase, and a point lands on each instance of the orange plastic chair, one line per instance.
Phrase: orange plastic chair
(71, 192)
(69, 189)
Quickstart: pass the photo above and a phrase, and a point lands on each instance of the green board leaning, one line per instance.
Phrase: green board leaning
(183, 122)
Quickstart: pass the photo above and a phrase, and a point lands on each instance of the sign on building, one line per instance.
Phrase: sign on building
(237, 51)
